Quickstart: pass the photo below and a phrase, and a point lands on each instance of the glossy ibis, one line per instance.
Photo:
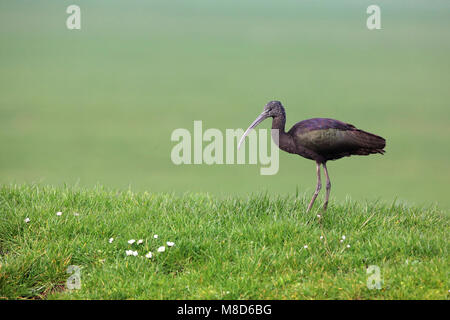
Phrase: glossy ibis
(319, 139)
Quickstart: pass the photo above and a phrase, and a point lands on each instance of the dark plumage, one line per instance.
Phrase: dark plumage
(319, 139)
(332, 139)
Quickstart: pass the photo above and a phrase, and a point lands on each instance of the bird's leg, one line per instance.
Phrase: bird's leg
(328, 187)
(318, 187)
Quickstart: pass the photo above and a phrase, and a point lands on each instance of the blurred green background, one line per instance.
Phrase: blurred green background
(98, 105)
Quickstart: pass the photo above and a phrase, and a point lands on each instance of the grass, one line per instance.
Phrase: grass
(233, 248)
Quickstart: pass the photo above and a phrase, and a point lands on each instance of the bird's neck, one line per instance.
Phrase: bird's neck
(283, 140)
(279, 122)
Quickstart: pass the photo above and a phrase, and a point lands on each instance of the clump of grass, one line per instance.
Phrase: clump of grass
(255, 247)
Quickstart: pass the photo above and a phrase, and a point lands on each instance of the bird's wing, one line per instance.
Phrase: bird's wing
(320, 124)
(335, 138)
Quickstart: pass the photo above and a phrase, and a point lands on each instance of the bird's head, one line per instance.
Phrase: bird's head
(271, 110)
(274, 109)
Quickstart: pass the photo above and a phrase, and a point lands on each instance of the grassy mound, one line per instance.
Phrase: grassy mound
(255, 247)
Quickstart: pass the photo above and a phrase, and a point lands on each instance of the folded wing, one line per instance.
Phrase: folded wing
(334, 139)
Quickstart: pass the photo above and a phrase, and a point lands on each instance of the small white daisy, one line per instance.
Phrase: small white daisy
(341, 240)
(170, 244)
(321, 237)
(305, 246)
(155, 236)
(343, 237)
(149, 255)
(131, 253)
(348, 246)
(131, 241)
(161, 249)
(27, 220)
(111, 240)
(318, 216)
(59, 213)
(140, 241)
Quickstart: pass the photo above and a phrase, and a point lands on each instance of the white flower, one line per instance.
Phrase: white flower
(348, 246)
(131, 241)
(170, 244)
(111, 240)
(321, 237)
(27, 220)
(343, 237)
(155, 236)
(59, 213)
(149, 255)
(341, 240)
(305, 246)
(140, 241)
(318, 216)
(131, 253)
(161, 249)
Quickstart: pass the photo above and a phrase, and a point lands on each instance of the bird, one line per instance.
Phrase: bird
(318, 139)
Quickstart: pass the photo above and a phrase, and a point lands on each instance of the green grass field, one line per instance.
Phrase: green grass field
(97, 107)
(233, 248)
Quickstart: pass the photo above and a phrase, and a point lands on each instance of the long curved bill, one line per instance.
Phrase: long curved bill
(258, 120)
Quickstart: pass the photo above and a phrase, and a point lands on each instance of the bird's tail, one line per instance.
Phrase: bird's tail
(369, 142)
